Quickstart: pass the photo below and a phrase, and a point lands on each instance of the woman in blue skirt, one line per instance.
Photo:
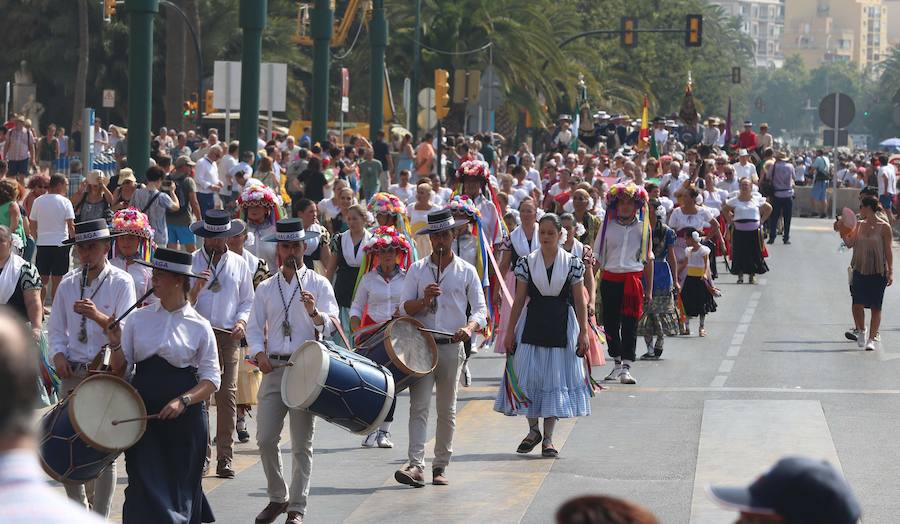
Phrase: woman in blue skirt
(546, 340)
(176, 368)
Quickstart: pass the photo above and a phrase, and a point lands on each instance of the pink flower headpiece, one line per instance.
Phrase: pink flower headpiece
(628, 191)
(257, 195)
(462, 204)
(386, 204)
(474, 168)
(132, 222)
(386, 237)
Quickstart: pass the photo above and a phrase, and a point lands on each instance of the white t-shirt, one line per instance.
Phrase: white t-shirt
(224, 166)
(51, 211)
(890, 187)
(747, 171)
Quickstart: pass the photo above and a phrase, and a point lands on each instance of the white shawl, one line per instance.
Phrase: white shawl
(538, 271)
(352, 257)
(520, 242)
(9, 277)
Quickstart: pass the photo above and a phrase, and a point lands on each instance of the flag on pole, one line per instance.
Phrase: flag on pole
(654, 147)
(728, 124)
(644, 136)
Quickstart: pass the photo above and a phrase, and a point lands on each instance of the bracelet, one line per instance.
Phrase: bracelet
(115, 348)
(314, 314)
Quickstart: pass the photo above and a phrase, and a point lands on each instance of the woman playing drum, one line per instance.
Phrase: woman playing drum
(176, 368)
(379, 295)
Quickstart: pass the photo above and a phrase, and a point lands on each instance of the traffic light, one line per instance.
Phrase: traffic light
(441, 92)
(735, 75)
(186, 109)
(109, 10)
(693, 37)
(629, 37)
(208, 103)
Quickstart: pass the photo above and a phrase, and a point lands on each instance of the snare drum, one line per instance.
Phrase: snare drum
(340, 386)
(408, 353)
(78, 438)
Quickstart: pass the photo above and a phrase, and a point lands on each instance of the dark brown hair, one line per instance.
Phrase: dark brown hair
(595, 509)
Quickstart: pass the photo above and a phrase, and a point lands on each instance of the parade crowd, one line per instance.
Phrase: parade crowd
(561, 260)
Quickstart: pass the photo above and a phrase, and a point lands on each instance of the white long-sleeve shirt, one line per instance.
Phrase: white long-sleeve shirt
(205, 174)
(224, 308)
(268, 311)
(383, 298)
(182, 337)
(141, 276)
(460, 287)
(113, 297)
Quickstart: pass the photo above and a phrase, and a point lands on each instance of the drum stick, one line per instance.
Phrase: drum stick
(436, 332)
(129, 310)
(136, 419)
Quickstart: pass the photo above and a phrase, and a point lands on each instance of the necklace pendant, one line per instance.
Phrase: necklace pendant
(82, 334)
(215, 287)
(286, 328)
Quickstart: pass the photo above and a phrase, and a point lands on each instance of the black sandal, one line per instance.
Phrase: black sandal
(549, 451)
(528, 443)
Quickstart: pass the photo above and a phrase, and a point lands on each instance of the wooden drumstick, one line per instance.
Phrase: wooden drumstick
(136, 304)
(436, 332)
(136, 419)
(285, 365)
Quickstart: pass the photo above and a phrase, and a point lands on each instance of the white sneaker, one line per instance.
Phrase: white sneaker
(383, 440)
(614, 374)
(861, 338)
(370, 440)
(626, 378)
(870, 345)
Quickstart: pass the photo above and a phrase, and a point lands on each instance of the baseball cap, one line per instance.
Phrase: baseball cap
(184, 160)
(800, 490)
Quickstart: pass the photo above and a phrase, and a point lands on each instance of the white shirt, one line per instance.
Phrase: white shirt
(729, 185)
(622, 248)
(441, 196)
(224, 167)
(51, 211)
(744, 171)
(101, 138)
(490, 221)
(669, 184)
(383, 298)
(328, 209)
(232, 302)
(182, 337)
(746, 209)
(715, 198)
(460, 288)
(661, 135)
(403, 193)
(268, 310)
(205, 175)
(890, 187)
(535, 177)
(264, 250)
(313, 243)
(140, 275)
(700, 220)
(113, 297)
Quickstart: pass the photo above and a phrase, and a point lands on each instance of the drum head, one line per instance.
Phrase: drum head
(412, 348)
(302, 382)
(99, 400)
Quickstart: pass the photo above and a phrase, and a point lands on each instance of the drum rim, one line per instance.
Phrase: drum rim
(323, 376)
(131, 391)
(429, 343)
(386, 407)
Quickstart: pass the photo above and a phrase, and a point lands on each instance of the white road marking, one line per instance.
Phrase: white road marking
(718, 381)
(737, 339)
(726, 366)
(733, 351)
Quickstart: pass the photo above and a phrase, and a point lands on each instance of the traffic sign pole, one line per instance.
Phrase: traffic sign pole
(140, 84)
(252, 17)
(834, 155)
(321, 28)
(377, 42)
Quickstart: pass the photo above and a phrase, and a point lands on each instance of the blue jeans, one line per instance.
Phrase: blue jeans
(206, 201)
(781, 206)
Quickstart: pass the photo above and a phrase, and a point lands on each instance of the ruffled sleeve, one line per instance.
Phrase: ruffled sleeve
(576, 270)
(521, 270)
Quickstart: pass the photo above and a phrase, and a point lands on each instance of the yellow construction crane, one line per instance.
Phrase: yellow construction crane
(342, 25)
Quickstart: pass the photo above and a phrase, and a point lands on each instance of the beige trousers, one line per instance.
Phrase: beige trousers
(226, 408)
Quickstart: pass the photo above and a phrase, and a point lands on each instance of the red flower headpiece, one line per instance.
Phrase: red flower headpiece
(386, 237)
(474, 168)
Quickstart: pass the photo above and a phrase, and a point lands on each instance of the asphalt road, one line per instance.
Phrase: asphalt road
(775, 376)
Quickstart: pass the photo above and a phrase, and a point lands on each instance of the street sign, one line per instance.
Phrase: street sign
(345, 90)
(427, 118)
(426, 97)
(837, 110)
(227, 85)
(109, 98)
(490, 96)
(272, 87)
(828, 138)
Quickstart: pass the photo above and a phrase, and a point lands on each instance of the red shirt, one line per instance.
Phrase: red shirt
(747, 140)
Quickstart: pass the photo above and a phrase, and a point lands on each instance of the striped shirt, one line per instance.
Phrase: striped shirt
(20, 141)
(25, 495)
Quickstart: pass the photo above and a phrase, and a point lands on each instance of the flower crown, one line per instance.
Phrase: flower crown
(386, 204)
(132, 222)
(386, 237)
(462, 204)
(257, 195)
(629, 191)
(473, 168)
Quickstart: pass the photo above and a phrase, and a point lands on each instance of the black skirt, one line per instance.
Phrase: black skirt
(868, 290)
(746, 253)
(165, 467)
(696, 297)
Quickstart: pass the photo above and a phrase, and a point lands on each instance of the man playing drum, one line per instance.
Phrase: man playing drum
(291, 311)
(224, 299)
(87, 300)
(437, 291)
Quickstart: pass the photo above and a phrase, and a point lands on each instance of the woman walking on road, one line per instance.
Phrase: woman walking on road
(746, 213)
(873, 266)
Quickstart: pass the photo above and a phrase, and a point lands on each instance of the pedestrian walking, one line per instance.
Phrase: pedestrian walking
(52, 223)
(746, 213)
(660, 319)
(697, 292)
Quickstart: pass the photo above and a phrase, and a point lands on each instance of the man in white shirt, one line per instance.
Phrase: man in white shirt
(228, 161)
(101, 137)
(224, 299)
(532, 174)
(887, 185)
(291, 307)
(52, 221)
(564, 136)
(403, 190)
(744, 168)
(88, 298)
(672, 181)
(436, 292)
(206, 175)
(660, 133)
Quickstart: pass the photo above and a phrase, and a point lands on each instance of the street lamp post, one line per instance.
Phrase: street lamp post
(140, 82)
(321, 31)
(378, 42)
(252, 17)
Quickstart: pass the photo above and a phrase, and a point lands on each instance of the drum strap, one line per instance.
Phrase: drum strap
(340, 331)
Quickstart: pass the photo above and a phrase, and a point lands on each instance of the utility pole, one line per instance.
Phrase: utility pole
(252, 17)
(417, 58)
(140, 82)
(378, 42)
(321, 29)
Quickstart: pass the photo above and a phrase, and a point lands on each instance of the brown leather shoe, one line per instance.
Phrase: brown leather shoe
(294, 517)
(224, 469)
(411, 476)
(271, 512)
(438, 478)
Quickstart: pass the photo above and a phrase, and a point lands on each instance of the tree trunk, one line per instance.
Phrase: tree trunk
(174, 68)
(83, 58)
(190, 54)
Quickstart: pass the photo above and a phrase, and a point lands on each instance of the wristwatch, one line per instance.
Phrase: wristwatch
(185, 400)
